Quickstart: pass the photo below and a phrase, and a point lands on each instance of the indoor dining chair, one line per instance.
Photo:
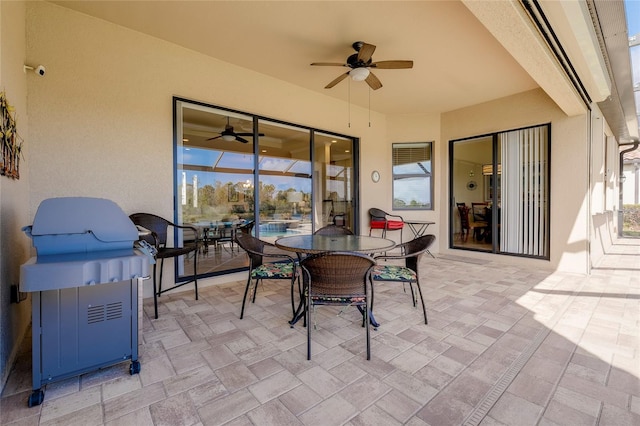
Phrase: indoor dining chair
(409, 273)
(159, 228)
(337, 278)
(283, 266)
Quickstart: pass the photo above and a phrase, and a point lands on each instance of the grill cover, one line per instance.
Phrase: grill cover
(80, 224)
(81, 241)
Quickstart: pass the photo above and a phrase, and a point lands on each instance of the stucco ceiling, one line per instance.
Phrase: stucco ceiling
(457, 62)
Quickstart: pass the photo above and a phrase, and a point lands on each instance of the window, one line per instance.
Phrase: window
(412, 170)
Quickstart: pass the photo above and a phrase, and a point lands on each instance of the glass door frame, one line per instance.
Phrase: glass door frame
(180, 103)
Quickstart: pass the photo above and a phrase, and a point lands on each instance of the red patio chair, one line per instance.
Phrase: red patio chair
(385, 221)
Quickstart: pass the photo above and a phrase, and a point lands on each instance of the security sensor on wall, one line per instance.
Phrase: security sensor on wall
(39, 70)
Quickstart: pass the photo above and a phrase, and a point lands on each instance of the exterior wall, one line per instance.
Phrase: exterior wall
(569, 185)
(102, 119)
(405, 128)
(605, 164)
(14, 194)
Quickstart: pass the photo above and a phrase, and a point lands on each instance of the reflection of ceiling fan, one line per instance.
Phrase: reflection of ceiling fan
(360, 63)
(229, 135)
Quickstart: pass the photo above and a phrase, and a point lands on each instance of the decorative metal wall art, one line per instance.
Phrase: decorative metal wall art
(11, 142)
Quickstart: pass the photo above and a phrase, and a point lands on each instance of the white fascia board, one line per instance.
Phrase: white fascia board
(585, 47)
(512, 27)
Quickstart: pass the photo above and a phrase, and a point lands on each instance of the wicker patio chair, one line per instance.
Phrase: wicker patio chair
(333, 230)
(282, 268)
(159, 228)
(337, 278)
(411, 251)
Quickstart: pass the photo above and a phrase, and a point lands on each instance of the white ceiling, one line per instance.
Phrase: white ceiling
(457, 62)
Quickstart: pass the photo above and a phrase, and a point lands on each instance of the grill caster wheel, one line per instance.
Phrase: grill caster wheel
(134, 368)
(36, 397)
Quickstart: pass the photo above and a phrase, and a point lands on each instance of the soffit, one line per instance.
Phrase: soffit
(457, 61)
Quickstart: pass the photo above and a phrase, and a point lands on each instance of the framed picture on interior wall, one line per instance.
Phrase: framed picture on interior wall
(233, 194)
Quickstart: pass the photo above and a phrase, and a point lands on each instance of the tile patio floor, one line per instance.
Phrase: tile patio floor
(505, 345)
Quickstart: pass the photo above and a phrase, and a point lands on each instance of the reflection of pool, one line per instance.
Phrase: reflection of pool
(275, 227)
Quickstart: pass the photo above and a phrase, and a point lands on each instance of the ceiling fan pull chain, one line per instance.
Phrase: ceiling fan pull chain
(349, 103)
(369, 106)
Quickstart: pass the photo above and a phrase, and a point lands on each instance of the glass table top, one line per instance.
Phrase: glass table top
(324, 243)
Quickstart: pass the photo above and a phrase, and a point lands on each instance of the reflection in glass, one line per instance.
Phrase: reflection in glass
(239, 173)
(412, 177)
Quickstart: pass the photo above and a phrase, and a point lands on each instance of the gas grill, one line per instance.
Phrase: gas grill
(84, 283)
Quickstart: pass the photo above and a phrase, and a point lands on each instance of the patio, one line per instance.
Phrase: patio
(504, 345)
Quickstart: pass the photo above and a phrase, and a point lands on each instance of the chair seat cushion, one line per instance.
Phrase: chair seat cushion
(395, 224)
(393, 273)
(273, 270)
(391, 224)
(341, 300)
(377, 224)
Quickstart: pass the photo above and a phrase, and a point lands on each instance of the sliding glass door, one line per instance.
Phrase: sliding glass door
(236, 172)
(500, 192)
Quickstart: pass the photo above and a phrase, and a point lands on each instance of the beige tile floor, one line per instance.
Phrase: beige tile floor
(504, 345)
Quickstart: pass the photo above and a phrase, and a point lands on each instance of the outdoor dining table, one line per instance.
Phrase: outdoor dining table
(419, 227)
(312, 244)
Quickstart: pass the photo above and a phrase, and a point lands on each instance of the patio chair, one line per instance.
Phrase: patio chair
(159, 228)
(333, 230)
(411, 251)
(379, 219)
(246, 228)
(337, 278)
(282, 268)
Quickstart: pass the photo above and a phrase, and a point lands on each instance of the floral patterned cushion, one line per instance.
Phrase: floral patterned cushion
(338, 299)
(393, 273)
(273, 270)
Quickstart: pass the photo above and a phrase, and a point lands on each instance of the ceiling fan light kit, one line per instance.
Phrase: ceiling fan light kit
(359, 74)
(360, 63)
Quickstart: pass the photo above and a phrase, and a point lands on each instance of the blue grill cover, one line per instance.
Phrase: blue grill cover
(80, 225)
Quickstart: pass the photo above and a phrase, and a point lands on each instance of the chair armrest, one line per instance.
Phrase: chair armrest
(393, 257)
(396, 216)
(279, 255)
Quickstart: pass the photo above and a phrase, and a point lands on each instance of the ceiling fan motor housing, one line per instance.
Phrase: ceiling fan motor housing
(353, 62)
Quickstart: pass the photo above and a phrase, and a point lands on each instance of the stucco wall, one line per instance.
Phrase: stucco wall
(569, 171)
(102, 120)
(14, 194)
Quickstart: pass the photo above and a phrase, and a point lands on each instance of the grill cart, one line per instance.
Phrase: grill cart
(84, 289)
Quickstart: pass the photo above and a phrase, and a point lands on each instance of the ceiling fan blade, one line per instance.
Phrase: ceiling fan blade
(241, 139)
(337, 80)
(373, 81)
(216, 137)
(329, 64)
(389, 65)
(248, 134)
(365, 52)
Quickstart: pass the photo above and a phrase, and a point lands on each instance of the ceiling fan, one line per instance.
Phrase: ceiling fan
(229, 135)
(360, 63)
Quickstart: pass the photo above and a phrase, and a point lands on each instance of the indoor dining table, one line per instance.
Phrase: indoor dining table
(312, 244)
